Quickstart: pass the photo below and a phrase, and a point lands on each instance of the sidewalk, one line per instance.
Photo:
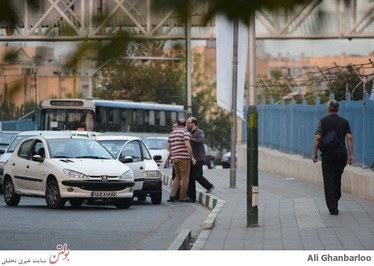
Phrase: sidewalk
(292, 215)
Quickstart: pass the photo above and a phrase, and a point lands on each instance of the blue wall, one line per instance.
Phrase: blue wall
(290, 128)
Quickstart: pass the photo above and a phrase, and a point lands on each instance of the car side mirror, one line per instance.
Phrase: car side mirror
(37, 158)
(126, 159)
(2, 151)
(157, 157)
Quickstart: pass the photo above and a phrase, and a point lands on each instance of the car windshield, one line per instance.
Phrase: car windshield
(156, 144)
(6, 138)
(113, 145)
(77, 148)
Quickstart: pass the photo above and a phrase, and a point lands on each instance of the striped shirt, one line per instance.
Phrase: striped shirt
(177, 146)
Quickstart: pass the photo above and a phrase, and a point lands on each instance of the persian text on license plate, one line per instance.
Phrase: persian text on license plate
(106, 194)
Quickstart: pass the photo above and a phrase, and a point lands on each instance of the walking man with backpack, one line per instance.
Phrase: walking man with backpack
(334, 155)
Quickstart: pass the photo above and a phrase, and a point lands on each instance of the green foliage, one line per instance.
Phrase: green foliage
(9, 111)
(214, 121)
(348, 81)
(8, 15)
(155, 80)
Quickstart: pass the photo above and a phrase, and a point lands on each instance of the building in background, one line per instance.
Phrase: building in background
(35, 74)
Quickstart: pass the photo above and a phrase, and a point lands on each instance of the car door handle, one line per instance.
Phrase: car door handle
(28, 167)
(141, 167)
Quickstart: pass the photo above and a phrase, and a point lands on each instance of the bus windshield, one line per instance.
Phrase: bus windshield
(69, 119)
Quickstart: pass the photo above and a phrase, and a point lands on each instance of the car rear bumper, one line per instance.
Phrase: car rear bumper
(225, 164)
(149, 186)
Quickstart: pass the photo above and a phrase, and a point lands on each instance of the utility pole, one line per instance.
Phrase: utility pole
(252, 131)
(188, 64)
(234, 104)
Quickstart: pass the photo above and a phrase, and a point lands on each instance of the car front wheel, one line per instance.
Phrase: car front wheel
(52, 196)
(10, 196)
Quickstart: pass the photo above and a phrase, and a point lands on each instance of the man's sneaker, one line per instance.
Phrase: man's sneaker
(210, 190)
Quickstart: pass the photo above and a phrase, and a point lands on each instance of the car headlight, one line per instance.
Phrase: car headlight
(127, 175)
(74, 174)
(153, 174)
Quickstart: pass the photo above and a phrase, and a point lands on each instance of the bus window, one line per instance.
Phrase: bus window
(162, 118)
(137, 122)
(126, 120)
(89, 122)
(101, 119)
(181, 115)
(152, 118)
(114, 123)
(174, 117)
(140, 117)
(115, 116)
(171, 117)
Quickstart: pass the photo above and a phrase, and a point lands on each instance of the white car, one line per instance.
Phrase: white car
(135, 154)
(64, 168)
(158, 146)
(6, 153)
(6, 138)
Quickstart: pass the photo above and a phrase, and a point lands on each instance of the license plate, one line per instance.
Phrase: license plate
(107, 194)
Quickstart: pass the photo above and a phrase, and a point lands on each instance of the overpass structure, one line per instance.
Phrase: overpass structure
(79, 20)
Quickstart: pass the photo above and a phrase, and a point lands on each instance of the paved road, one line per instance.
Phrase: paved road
(32, 226)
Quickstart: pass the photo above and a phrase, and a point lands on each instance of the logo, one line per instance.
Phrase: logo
(104, 178)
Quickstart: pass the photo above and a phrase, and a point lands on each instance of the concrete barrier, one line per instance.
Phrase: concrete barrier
(355, 181)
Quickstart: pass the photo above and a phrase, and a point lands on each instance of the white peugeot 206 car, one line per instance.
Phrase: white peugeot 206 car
(64, 168)
(133, 152)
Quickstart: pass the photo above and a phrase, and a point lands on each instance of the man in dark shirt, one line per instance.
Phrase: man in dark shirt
(196, 172)
(333, 160)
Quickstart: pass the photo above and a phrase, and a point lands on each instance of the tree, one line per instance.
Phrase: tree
(214, 121)
(349, 81)
(9, 111)
(146, 79)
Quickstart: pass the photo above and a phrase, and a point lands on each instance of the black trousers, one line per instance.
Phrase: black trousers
(196, 175)
(333, 164)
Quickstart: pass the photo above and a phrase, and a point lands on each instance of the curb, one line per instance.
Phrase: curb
(214, 203)
(182, 241)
